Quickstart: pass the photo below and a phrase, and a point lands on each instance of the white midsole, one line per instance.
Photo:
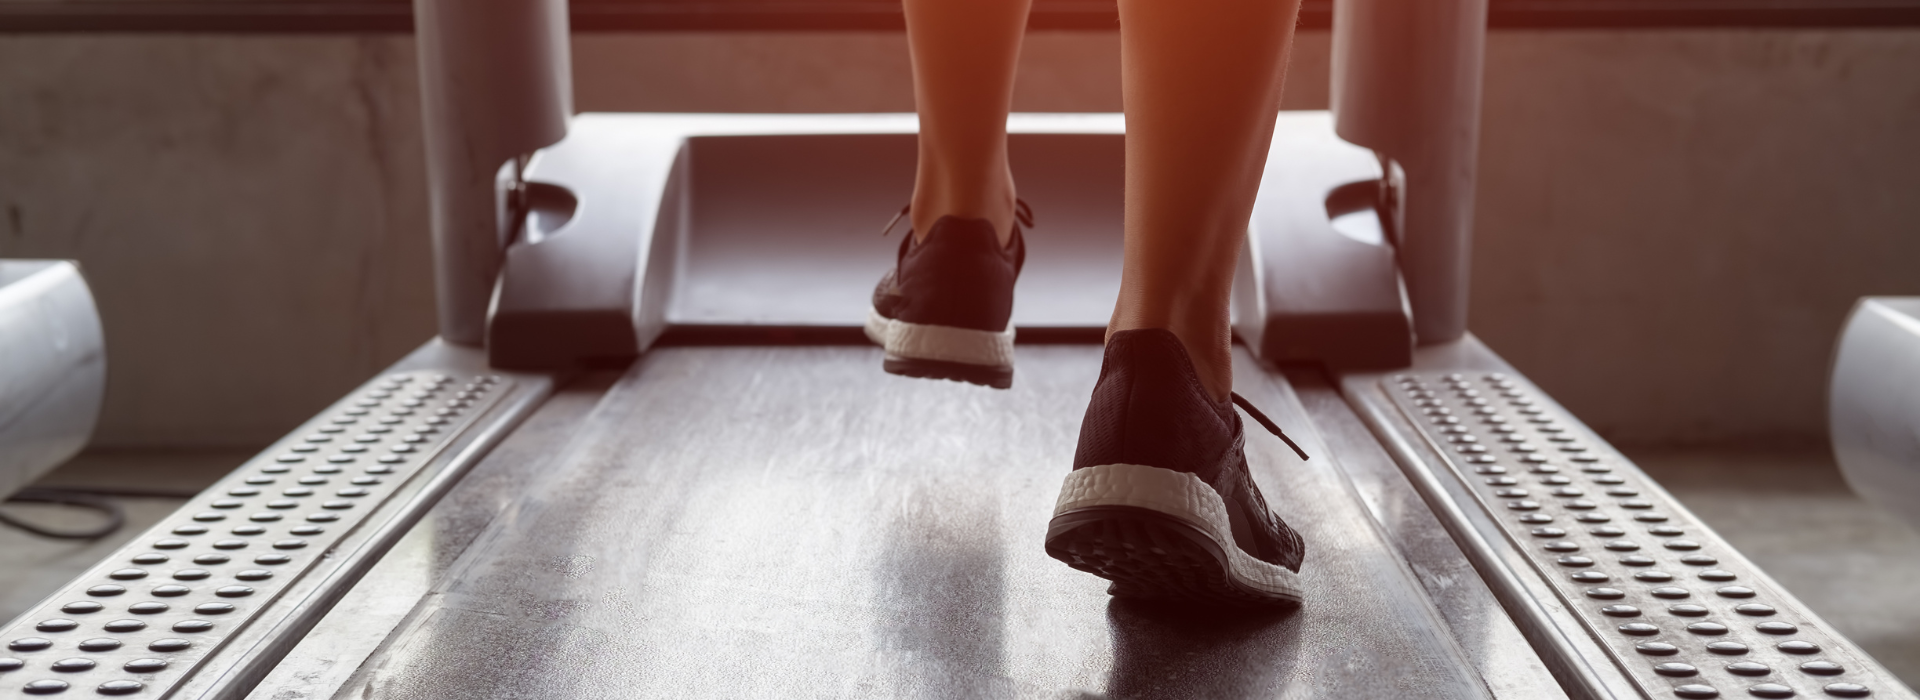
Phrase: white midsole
(921, 341)
(1182, 496)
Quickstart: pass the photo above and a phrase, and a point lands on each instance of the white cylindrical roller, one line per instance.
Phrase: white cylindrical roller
(53, 368)
(1873, 409)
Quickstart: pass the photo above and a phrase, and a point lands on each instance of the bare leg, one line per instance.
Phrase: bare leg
(964, 52)
(1201, 81)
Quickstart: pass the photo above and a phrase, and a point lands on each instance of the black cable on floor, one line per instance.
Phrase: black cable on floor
(124, 492)
(95, 499)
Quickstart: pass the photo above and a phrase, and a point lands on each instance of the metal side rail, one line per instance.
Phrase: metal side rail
(209, 599)
(1622, 590)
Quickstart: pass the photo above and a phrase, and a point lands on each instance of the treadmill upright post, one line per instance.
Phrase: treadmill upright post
(495, 84)
(1406, 83)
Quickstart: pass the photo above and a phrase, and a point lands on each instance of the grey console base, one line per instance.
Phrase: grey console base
(639, 222)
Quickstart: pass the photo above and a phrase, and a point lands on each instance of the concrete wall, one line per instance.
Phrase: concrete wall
(1671, 224)
(250, 212)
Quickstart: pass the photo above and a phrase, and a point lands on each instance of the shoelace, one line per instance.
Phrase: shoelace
(1022, 213)
(1247, 406)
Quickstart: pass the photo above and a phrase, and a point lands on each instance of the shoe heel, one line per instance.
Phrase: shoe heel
(992, 377)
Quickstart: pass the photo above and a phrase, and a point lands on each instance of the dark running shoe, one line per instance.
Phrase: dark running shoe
(943, 311)
(1160, 500)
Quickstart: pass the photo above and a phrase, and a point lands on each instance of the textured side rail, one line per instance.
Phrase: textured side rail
(144, 620)
(1677, 609)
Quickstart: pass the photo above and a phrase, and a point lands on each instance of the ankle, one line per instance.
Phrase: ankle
(935, 197)
(1209, 346)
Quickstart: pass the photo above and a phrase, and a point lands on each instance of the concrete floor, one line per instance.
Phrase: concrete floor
(1787, 510)
(1791, 512)
(35, 567)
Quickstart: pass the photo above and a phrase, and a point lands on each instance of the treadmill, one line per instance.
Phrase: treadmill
(650, 454)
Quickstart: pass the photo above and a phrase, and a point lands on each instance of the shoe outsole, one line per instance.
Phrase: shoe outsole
(983, 375)
(1160, 533)
(1151, 555)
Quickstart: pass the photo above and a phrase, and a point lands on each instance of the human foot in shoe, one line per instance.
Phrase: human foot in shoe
(1160, 500)
(944, 311)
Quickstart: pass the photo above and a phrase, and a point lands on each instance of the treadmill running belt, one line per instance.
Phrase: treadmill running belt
(789, 521)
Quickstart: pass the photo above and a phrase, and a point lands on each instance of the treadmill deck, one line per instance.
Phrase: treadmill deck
(781, 522)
